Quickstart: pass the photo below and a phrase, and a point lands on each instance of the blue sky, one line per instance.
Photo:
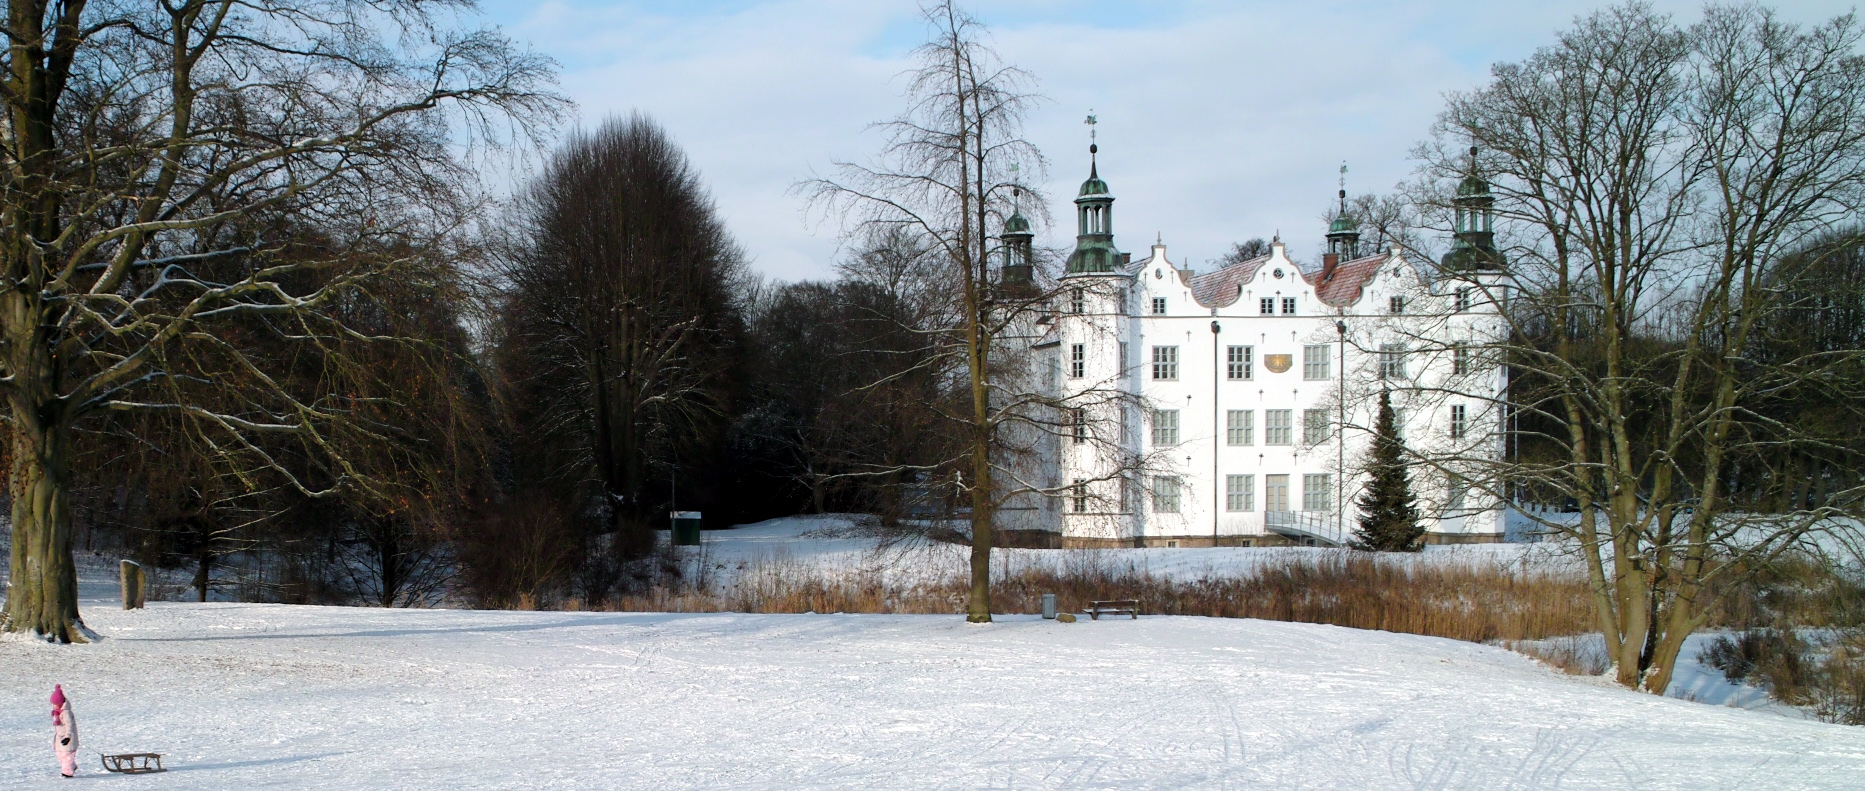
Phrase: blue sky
(1220, 121)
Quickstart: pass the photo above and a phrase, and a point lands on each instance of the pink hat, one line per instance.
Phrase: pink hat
(58, 696)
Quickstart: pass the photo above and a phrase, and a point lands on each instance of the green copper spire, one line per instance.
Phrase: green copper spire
(1094, 212)
(1019, 260)
(1473, 246)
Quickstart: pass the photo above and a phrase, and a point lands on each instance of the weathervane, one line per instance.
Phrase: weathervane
(1343, 186)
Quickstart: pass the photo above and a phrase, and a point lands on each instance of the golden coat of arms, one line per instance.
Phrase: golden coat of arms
(1277, 363)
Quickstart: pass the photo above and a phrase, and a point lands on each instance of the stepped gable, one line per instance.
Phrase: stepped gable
(1219, 289)
(1349, 278)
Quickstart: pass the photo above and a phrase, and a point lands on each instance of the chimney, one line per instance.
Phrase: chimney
(1329, 261)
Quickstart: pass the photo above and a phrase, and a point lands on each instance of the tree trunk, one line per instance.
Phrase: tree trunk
(43, 591)
(203, 570)
(979, 609)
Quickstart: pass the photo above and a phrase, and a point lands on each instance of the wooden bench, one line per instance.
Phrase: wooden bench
(133, 763)
(1128, 607)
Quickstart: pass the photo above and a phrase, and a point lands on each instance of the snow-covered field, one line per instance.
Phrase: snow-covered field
(836, 544)
(271, 696)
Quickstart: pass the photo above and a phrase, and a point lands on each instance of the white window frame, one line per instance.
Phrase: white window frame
(1317, 492)
(1077, 360)
(1288, 306)
(1315, 362)
(1159, 306)
(1460, 421)
(1240, 363)
(1077, 301)
(1278, 427)
(1165, 363)
(1166, 494)
(1395, 305)
(1240, 427)
(1078, 496)
(1267, 306)
(1315, 428)
(1078, 425)
(1392, 361)
(1239, 493)
(1165, 427)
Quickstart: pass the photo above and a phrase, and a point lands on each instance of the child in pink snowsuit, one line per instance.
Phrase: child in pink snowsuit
(64, 733)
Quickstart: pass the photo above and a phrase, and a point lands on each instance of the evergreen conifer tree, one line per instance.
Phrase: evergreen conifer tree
(1389, 513)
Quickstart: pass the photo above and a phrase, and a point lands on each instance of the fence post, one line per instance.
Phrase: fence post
(130, 581)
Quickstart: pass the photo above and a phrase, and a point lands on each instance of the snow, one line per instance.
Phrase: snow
(839, 544)
(274, 696)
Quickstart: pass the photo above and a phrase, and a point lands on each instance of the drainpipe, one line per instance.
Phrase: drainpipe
(1340, 440)
(1217, 492)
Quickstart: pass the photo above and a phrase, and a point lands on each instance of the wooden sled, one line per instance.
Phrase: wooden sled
(133, 763)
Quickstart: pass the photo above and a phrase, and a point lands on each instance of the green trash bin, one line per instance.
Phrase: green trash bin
(685, 528)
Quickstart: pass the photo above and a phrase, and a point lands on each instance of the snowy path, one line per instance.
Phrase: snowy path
(268, 696)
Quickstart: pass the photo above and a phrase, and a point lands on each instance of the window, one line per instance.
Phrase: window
(1239, 492)
(1463, 300)
(1077, 360)
(1078, 496)
(1454, 489)
(1077, 301)
(1159, 306)
(1126, 434)
(1458, 417)
(1125, 483)
(1240, 427)
(1267, 306)
(1166, 427)
(1317, 492)
(1315, 362)
(1460, 358)
(1165, 494)
(1275, 492)
(1391, 361)
(1166, 363)
(1123, 358)
(1398, 423)
(1396, 305)
(1278, 428)
(1288, 306)
(1078, 424)
(1239, 360)
(1314, 426)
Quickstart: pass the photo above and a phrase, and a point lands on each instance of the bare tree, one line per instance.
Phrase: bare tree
(949, 176)
(144, 142)
(1648, 183)
(1247, 250)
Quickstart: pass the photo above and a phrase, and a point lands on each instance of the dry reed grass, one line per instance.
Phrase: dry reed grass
(1350, 589)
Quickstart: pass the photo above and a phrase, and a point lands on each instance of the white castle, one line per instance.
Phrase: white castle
(1236, 406)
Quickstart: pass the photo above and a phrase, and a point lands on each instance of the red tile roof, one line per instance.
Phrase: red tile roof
(1349, 278)
(1219, 289)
